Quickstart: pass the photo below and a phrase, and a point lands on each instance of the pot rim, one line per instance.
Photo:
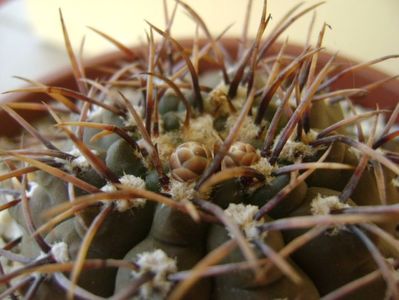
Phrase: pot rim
(386, 95)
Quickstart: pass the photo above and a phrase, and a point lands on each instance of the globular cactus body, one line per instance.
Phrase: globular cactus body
(248, 181)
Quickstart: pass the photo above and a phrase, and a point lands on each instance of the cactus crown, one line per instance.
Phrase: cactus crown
(201, 171)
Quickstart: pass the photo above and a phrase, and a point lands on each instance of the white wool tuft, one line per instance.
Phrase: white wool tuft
(109, 187)
(310, 136)
(181, 191)
(243, 216)
(60, 252)
(80, 161)
(324, 205)
(158, 263)
(264, 167)
(131, 181)
(292, 149)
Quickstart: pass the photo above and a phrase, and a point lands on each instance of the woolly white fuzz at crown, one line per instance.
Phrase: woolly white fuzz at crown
(243, 216)
(60, 252)
(292, 149)
(264, 167)
(181, 191)
(161, 265)
(130, 181)
(80, 161)
(324, 205)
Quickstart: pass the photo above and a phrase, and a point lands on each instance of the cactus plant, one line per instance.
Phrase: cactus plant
(244, 177)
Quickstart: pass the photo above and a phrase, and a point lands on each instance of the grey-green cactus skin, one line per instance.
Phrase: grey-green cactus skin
(262, 195)
(121, 230)
(186, 257)
(279, 289)
(122, 159)
(243, 283)
(332, 179)
(174, 227)
(181, 239)
(171, 121)
(335, 257)
(40, 200)
(244, 279)
(99, 283)
(119, 233)
(324, 114)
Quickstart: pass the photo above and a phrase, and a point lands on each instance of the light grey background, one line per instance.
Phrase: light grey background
(21, 51)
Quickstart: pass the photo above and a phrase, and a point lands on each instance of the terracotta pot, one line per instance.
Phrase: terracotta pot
(386, 95)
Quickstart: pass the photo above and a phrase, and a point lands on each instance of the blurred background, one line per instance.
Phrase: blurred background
(32, 44)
